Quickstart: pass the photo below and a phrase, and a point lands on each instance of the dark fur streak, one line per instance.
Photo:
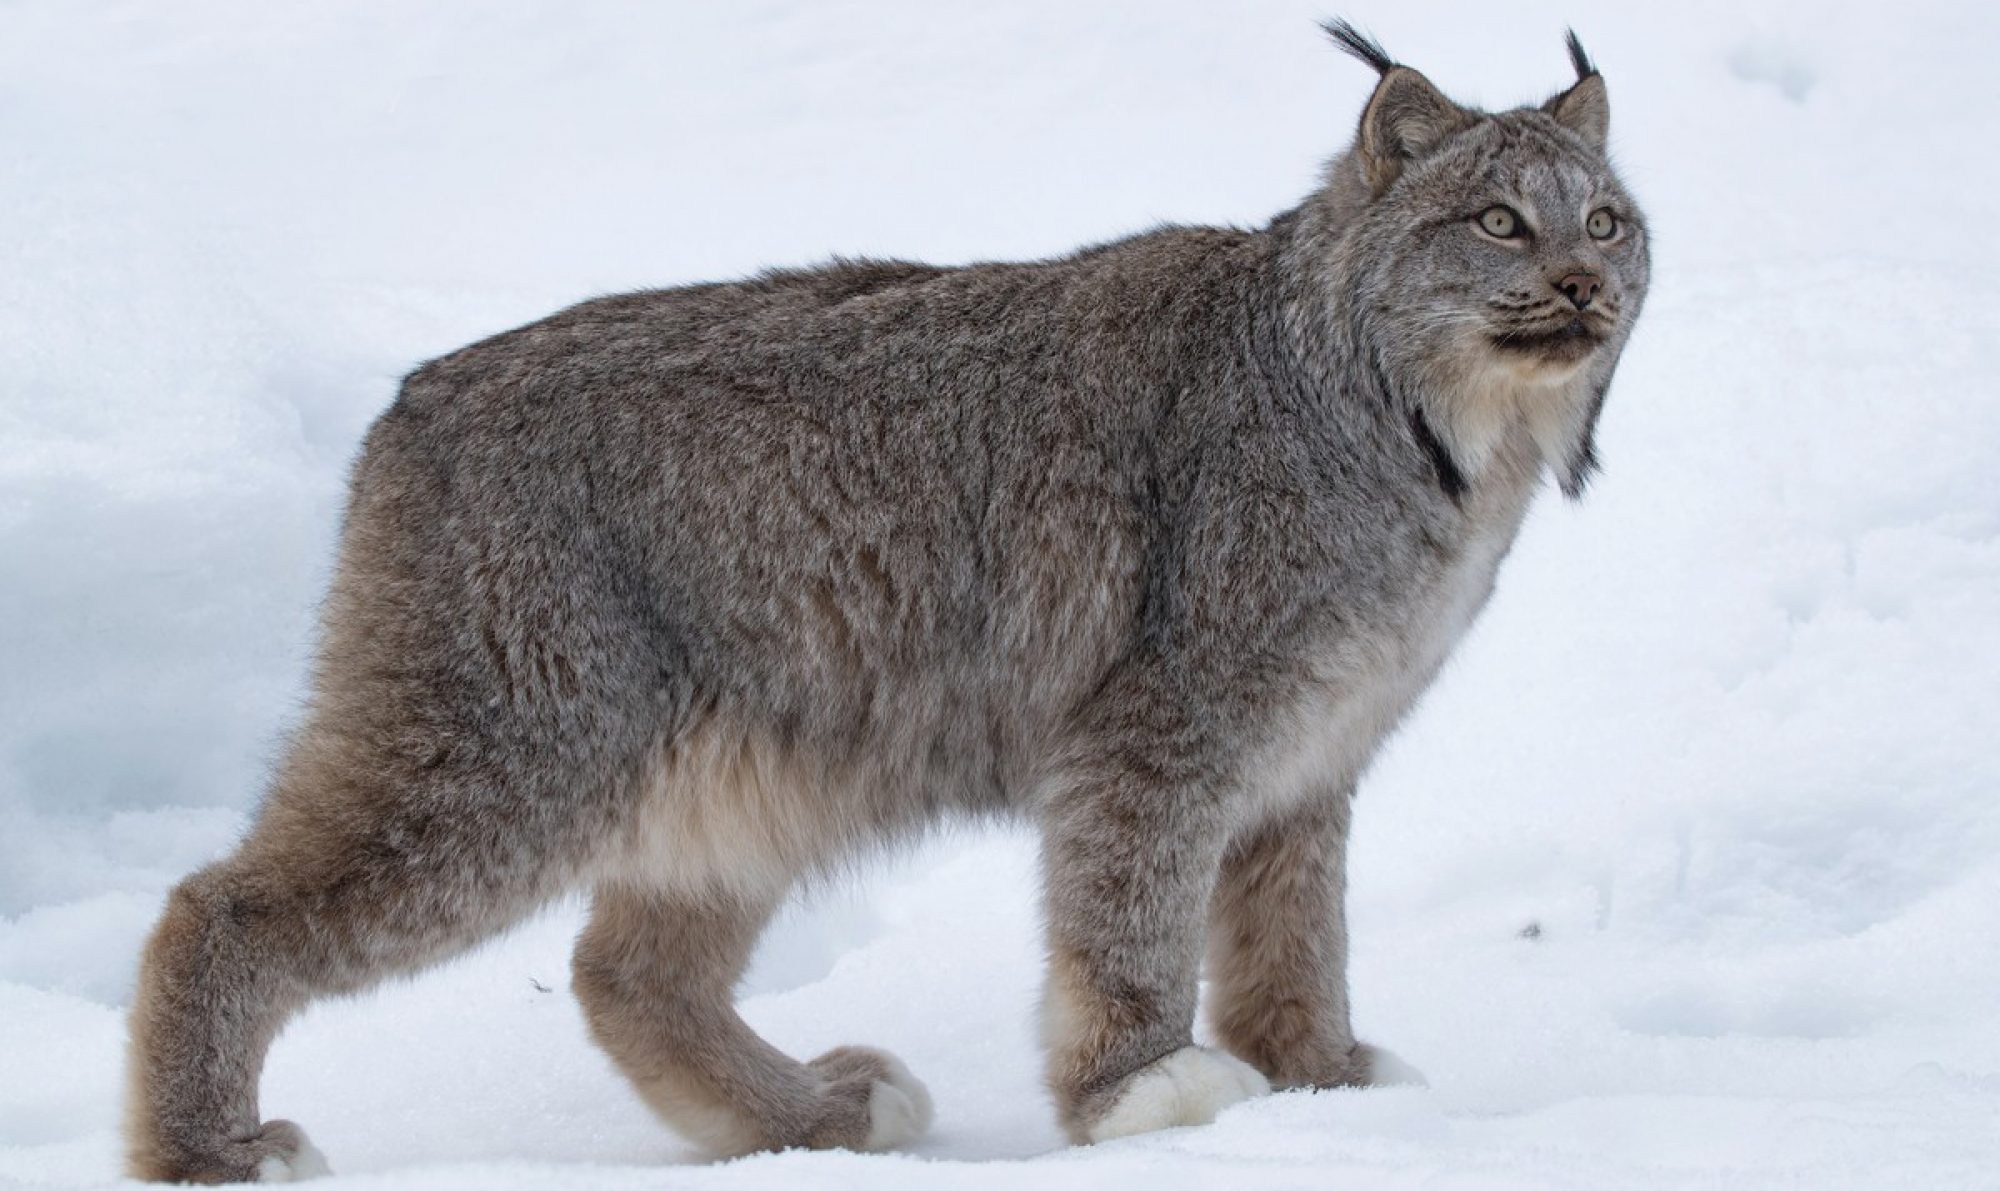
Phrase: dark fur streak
(1583, 464)
(1449, 477)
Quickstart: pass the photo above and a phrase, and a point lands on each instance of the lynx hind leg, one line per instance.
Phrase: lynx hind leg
(343, 883)
(656, 971)
(410, 821)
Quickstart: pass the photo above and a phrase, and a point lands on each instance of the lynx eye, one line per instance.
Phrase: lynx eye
(1500, 223)
(1602, 224)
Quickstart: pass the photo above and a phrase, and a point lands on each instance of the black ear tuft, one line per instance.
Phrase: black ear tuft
(1585, 108)
(1578, 58)
(1359, 44)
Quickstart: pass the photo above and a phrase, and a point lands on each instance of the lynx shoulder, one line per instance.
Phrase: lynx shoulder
(684, 597)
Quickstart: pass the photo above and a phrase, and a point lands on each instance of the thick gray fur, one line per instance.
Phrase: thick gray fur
(691, 595)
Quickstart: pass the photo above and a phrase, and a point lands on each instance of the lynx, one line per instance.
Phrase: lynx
(685, 597)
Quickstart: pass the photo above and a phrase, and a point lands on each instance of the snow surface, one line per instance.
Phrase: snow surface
(1687, 873)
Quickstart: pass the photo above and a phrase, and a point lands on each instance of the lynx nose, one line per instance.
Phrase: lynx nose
(1580, 288)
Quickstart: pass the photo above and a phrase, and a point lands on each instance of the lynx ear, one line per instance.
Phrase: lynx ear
(1585, 108)
(1407, 116)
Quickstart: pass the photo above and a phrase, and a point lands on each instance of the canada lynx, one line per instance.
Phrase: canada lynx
(687, 595)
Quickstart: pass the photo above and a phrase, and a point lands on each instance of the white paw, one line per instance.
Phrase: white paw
(899, 1108)
(305, 1163)
(1387, 1070)
(1188, 1087)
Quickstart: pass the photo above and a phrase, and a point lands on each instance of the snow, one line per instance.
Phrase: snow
(1687, 873)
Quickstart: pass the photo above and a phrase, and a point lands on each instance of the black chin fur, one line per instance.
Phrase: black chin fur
(1571, 340)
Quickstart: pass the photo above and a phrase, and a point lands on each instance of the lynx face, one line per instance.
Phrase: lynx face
(1535, 256)
(1496, 263)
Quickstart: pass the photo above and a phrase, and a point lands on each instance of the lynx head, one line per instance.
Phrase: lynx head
(1493, 263)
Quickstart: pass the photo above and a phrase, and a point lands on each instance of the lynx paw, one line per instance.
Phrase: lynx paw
(1381, 1068)
(292, 1156)
(277, 1152)
(887, 1105)
(1187, 1087)
(899, 1107)
(303, 1164)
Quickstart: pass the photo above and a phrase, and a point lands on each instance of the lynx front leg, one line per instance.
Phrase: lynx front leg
(1129, 866)
(1278, 954)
